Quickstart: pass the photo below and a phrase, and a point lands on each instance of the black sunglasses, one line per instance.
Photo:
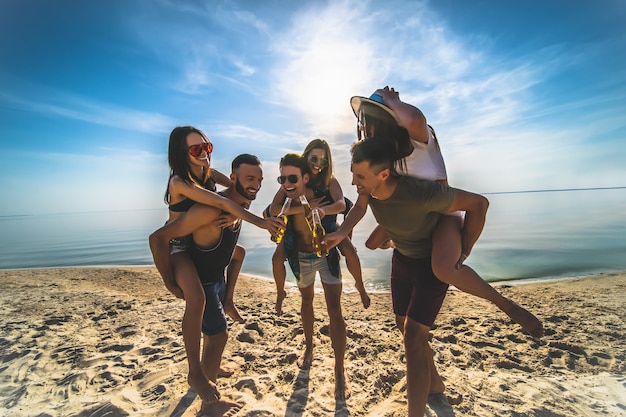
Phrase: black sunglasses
(293, 178)
(315, 159)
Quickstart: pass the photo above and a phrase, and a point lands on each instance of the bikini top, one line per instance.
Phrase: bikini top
(182, 206)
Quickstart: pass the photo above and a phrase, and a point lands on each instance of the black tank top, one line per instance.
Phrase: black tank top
(212, 262)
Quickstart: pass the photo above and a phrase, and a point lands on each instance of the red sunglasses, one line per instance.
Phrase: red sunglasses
(196, 150)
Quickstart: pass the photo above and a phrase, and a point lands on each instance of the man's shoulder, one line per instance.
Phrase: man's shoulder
(418, 186)
(419, 182)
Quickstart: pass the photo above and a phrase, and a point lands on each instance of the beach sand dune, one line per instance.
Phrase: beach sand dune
(107, 342)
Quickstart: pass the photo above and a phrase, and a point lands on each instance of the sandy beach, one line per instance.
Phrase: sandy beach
(107, 342)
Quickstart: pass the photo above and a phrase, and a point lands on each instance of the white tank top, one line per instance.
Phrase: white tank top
(425, 162)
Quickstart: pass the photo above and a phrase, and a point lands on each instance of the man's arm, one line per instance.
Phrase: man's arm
(475, 207)
(353, 217)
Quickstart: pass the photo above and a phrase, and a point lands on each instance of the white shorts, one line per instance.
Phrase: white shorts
(180, 244)
(309, 265)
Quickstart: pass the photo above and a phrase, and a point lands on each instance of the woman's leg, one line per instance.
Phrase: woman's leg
(187, 279)
(353, 263)
(280, 276)
(232, 273)
(447, 251)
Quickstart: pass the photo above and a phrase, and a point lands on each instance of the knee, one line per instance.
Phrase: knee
(239, 254)
(416, 339)
(444, 269)
(307, 302)
(195, 300)
(335, 315)
(370, 244)
(278, 257)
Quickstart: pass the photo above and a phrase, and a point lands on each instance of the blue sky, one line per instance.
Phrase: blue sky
(523, 95)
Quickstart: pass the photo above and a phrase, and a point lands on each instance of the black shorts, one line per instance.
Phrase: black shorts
(415, 290)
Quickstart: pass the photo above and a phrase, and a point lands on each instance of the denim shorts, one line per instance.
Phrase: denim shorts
(214, 319)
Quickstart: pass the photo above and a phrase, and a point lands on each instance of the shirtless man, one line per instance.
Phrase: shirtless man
(214, 239)
(305, 265)
(408, 209)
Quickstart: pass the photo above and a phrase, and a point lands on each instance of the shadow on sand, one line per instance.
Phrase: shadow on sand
(184, 403)
(439, 404)
(300, 395)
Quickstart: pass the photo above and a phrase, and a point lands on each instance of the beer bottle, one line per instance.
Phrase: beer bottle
(307, 211)
(283, 214)
(318, 235)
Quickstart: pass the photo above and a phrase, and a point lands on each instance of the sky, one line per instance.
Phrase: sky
(524, 95)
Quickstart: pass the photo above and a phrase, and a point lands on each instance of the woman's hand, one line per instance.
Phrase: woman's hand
(462, 259)
(318, 202)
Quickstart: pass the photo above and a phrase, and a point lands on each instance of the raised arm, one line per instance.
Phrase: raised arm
(220, 178)
(410, 116)
(277, 202)
(209, 198)
(475, 207)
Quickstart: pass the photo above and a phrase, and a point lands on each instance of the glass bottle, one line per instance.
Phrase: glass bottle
(307, 211)
(283, 214)
(318, 235)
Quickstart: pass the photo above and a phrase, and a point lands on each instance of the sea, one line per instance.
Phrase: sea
(531, 235)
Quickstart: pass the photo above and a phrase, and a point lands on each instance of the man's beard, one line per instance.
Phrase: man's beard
(242, 191)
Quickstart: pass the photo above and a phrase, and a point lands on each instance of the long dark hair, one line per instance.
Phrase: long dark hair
(322, 181)
(177, 156)
(382, 126)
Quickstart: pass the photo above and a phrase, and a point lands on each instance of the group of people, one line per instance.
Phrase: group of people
(398, 171)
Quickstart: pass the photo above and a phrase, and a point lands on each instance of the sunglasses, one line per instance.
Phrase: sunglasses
(314, 159)
(196, 150)
(293, 178)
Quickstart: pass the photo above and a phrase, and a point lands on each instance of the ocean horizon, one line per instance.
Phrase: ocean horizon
(529, 235)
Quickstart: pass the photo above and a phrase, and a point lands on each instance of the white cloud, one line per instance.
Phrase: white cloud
(71, 106)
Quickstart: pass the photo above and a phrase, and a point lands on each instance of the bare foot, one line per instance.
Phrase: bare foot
(365, 298)
(225, 372)
(342, 386)
(203, 387)
(219, 408)
(279, 302)
(526, 319)
(306, 360)
(232, 312)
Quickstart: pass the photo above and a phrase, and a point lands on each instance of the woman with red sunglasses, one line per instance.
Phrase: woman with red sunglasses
(191, 181)
(329, 200)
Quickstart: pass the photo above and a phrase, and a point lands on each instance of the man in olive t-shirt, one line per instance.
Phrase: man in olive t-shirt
(408, 209)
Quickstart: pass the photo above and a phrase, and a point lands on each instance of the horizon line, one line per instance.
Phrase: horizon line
(555, 190)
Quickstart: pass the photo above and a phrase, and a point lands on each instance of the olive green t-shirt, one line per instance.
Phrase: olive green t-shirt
(411, 214)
